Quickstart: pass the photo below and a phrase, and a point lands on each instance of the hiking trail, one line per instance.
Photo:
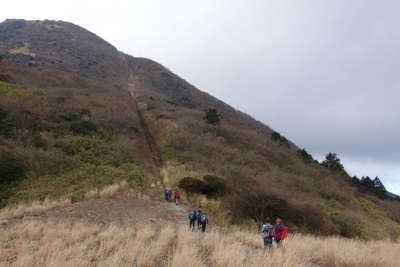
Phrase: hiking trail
(150, 155)
(178, 213)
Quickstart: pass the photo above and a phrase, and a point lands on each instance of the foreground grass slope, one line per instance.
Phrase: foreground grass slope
(82, 244)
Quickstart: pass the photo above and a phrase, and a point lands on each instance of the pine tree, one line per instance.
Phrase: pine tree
(212, 116)
(332, 162)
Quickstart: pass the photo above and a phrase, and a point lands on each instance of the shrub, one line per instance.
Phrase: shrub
(83, 127)
(305, 155)
(277, 137)
(214, 186)
(38, 142)
(169, 153)
(60, 100)
(96, 150)
(257, 205)
(6, 123)
(77, 196)
(75, 115)
(77, 144)
(191, 185)
(11, 169)
(311, 218)
(212, 116)
(347, 225)
(71, 116)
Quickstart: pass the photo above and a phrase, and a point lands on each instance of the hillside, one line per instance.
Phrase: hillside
(77, 114)
(142, 233)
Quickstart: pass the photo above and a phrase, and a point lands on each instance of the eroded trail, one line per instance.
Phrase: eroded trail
(150, 154)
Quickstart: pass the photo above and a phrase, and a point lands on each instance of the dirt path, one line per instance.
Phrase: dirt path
(178, 213)
(119, 211)
(149, 151)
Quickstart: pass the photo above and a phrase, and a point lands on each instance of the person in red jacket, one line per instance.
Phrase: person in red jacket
(280, 232)
(177, 197)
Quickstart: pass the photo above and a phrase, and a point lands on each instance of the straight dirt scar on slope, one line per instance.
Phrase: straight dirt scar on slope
(150, 154)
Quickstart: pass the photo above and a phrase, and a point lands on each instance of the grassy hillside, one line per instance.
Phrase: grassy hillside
(83, 244)
(67, 128)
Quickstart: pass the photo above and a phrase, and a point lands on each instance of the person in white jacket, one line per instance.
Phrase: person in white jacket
(267, 234)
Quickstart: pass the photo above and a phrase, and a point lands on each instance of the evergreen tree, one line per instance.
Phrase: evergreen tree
(212, 116)
(277, 137)
(332, 162)
(305, 155)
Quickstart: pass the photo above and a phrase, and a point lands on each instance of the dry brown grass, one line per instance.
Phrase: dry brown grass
(35, 243)
(32, 209)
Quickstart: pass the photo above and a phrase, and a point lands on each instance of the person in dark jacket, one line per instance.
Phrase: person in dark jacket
(192, 220)
(203, 222)
(198, 215)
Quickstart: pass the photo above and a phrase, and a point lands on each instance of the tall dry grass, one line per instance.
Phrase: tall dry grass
(49, 243)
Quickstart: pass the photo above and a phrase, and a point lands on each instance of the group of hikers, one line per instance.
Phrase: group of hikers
(169, 195)
(198, 217)
(273, 235)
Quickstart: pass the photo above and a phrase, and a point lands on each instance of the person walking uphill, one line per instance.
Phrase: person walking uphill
(203, 222)
(280, 232)
(177, 196)
(192, 220)
(198, 217)
(166, 194)
(267, 234)
(169, 194)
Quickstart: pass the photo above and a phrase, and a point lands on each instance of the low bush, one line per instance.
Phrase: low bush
(75, 115)
(303, 154)
(83, 127)
(11, 169)
(257, 205)
(74, 182)
(6, 123)
(191, 185)
(277, 137)
(38, 142)
(347, 225)
(214, 186)
(96, 150)
(212, 116)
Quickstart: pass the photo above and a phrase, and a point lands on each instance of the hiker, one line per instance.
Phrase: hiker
(192, 220)
(198, 217)
(267, 234)
(169, 194)
(166, 194)
(203, 222)
(280, 232)
(177, 196)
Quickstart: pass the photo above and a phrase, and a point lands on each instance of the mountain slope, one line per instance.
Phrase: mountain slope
(82, 114)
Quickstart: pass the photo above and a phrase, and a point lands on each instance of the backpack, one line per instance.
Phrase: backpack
(266, 230)
(285, 233)
(192, 216)
(203, 218)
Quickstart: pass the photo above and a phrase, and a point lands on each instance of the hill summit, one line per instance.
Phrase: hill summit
(77, 114)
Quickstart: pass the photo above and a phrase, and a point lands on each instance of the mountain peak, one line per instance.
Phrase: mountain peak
(60, 46)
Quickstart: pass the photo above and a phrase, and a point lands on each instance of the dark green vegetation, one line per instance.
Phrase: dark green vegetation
(68, 116)
(211, 186)
(212, 117)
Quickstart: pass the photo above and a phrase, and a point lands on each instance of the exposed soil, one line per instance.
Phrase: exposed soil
(119, 211)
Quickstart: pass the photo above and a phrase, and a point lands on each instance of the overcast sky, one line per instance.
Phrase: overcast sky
(323, 73)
